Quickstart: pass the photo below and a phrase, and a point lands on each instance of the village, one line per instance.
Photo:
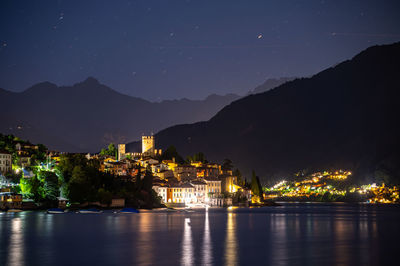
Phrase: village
(190, 183)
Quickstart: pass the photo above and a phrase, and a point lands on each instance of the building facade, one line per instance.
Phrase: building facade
(121, 151)
(148, 145)
(200, 190)
(5, 162)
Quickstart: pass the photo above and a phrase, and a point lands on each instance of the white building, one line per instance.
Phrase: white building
(181, 194)
(5, 162)
(213, 185)
(200, 191)
(162, 192)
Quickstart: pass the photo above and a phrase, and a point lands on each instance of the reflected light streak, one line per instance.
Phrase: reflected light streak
(207, 245)
(187, 244)
(343, 231)
(144, 244)
(279, 229)
(16, 248)
(231, 244)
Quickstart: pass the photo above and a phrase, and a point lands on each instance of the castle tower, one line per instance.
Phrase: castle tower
(121, 151)
(148, 145)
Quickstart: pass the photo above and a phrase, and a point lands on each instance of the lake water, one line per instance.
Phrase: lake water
(293, 234)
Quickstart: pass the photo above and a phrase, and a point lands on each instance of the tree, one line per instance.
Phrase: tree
(138, 177)
(148, 180)
(36, 189)
(171, 153)
(51, 186)
(227, 165)
(13, 177)
(111, 150)
(26, 186)
(240, 181)
(197, 157)
(105, 196)
(256, 187)
(78, 185)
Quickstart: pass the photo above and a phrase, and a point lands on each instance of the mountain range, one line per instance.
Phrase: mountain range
(345, 117)
(88, 115)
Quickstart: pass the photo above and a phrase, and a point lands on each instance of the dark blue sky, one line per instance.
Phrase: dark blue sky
(175, 48)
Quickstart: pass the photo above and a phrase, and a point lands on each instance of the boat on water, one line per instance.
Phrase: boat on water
(92, 210)
(14, 210)
(55, 211)
(129, 210)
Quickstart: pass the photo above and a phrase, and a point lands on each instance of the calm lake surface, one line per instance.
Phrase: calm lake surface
(293, 234)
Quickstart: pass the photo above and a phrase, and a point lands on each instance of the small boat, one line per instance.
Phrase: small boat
(55, 211)
(14, 210)
(129, 210)
(92, 210)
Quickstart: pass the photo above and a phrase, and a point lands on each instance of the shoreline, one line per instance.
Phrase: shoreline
(186, 209)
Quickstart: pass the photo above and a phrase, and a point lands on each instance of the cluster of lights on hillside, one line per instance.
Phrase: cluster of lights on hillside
(323, 184)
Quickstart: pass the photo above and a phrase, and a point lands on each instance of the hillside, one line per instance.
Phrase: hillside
(343, 117)
(88, 115)
(270, 84)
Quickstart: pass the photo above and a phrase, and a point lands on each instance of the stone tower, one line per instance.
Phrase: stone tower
(121, 151)
(148, 145)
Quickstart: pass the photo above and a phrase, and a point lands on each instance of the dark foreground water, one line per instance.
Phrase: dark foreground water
(294, 234)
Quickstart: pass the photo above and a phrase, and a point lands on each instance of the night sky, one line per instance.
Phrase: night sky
(171, 49)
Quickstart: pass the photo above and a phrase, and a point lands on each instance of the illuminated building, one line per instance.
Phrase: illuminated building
(185, 172)
(200, 190)
(228, 183)
(171, 164)
(181, 194)
(161, 191)
(164, 174)
(210, 170)
(148, 146)
(5, 162)
(121, 151)
(213, 185)
(10, 200)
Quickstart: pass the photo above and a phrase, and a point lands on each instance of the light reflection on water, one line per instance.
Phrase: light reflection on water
(187, 244)
(207, 258)
(145, 243)
(231, 243)
(287, 235)
(16, 247)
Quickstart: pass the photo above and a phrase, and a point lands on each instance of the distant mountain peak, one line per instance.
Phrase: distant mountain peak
(88, 82)
(91, 80)
(41, 87)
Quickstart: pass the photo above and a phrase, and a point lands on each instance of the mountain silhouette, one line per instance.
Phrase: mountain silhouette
(345, 117)
(88, 115)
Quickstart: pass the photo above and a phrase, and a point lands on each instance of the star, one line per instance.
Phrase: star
(259, 36)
